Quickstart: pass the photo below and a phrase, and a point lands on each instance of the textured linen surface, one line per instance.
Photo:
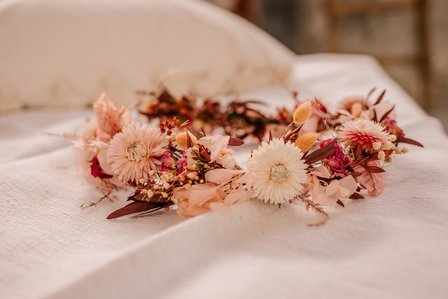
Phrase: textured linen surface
(392, 246)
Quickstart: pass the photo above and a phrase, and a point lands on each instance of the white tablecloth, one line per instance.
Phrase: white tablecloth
(392, 246)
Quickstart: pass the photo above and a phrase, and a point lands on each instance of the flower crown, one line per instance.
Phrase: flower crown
(307, 155)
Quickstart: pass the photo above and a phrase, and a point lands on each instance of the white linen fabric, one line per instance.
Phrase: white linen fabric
(64, 53)
(392, 246)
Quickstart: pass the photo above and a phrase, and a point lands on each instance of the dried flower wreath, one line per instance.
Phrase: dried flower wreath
(309, 155)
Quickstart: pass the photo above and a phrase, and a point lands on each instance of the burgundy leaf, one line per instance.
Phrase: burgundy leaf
(189, 141)
(356, 174)
(135, 207)
(370, 93)
(320, 154)
(373, 169)
(96, 170)
(380, 98)
(203, 152)
(387, 113)
(195, 133)
(293, 134)
(235, 141)
(356, 196)
(409, 141)
(138, 196)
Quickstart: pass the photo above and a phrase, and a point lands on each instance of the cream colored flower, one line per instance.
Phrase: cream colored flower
(278, 171)
(135, 151)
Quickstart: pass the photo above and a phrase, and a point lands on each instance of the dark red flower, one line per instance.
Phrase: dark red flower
(96, 170)
(337, 162)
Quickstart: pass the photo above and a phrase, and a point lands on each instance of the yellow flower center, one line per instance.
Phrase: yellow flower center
(136, 151)
(279, 173)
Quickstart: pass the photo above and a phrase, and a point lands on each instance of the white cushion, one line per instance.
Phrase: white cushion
(64, 53)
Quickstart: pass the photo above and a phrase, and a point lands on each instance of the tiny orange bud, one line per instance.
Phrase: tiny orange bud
(181, 140)
(302, 112)
(356, 109)
(306, 141)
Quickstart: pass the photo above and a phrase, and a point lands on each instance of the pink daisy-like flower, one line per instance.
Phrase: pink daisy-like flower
(362, 132)
(135, 151)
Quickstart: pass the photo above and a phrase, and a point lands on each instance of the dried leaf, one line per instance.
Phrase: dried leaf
(356, 196)
(373, 169)
(309, 204)
(292, 136)
(235, 141)
(136, 207)
(409, 141)
(380, 98)
(320, 153)
(195, 133)
(370, 93)
(375, 117)
(387, 113)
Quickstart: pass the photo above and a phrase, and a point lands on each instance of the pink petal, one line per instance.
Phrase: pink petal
(221, 175)
(110, 119)
(373, 182)
(215, 144)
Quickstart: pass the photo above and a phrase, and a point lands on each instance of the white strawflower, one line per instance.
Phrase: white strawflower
(278, 171)
(135, 151)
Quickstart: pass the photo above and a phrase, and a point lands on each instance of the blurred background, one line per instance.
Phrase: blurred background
(408, 37)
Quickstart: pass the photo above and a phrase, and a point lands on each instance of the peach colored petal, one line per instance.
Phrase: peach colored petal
(110, 119)
(337, 189)
(216, 144)
(221, 176)
(226, 159)
(347, 186)
(322, 172)
(237, 196)
(203, 193)
(373, 182)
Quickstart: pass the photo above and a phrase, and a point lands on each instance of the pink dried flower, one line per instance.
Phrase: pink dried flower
(110, 119)
(182, 163)
(363, 132)
(168, 162)
(337, 162)
(135, 151)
